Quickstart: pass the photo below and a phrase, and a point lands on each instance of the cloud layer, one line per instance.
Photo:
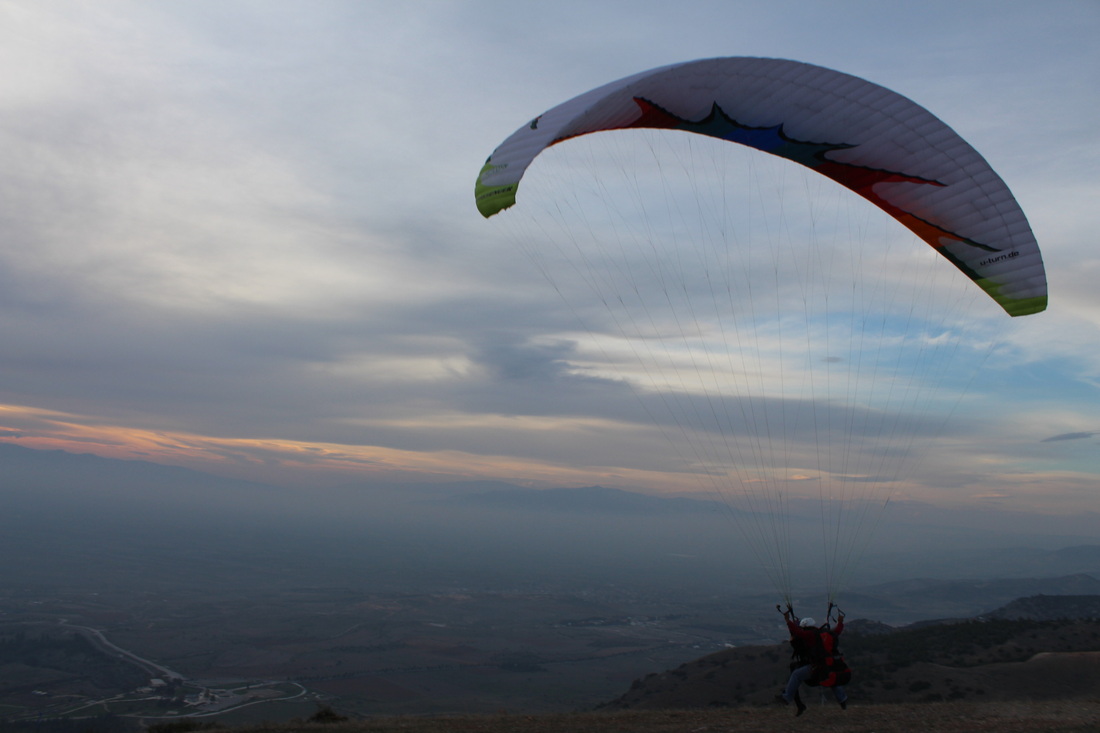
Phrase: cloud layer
(243, 237)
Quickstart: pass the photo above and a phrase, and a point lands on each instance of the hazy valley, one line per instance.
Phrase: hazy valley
(413, 600)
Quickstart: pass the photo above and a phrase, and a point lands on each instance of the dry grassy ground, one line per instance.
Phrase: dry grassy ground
(1066, 716)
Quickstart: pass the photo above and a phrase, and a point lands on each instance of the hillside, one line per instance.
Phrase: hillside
(985, 659)
(1063, 716)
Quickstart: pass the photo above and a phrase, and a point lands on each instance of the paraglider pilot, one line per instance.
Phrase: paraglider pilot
(817, 661)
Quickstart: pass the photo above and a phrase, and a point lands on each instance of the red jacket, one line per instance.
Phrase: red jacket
(821, 644)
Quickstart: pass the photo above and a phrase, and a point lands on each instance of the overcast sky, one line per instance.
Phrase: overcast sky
(240, 236)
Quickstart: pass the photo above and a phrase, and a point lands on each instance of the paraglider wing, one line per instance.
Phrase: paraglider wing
(875, 142)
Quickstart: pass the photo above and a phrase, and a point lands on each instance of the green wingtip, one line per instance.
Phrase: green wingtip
(493, 199)
(1012, 306)
(1026, 306)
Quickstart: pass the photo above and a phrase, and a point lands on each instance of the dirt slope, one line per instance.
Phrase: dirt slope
(1064, 716)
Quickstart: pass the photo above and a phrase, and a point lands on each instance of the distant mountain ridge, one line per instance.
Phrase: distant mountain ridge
(588, 499)
(30, 468)
(971, 597)
(1050, 608)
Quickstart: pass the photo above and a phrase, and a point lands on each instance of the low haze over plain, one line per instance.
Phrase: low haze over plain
(241, 236)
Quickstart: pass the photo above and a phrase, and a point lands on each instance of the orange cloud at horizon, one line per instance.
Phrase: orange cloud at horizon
(305, 464)
(295, 463)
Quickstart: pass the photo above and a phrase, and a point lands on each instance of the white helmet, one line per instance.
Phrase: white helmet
(807, 622)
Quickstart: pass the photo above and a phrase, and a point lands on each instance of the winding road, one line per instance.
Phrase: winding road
(96, 637)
